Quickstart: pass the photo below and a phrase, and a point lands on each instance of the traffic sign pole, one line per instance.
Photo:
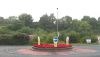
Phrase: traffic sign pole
(55, 40)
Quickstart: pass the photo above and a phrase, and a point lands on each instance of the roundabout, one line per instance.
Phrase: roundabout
(52, 47)
(55, 49)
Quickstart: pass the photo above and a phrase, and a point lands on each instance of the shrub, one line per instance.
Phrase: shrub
(44, 38)
(4, 31)
(34, 41)
(92, 37)
(39, 31)
(21, 39)
(26, 30)
(74, 37)
(5, 39)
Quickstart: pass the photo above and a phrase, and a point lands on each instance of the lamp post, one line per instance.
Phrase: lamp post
(57, 23)
(55, 40)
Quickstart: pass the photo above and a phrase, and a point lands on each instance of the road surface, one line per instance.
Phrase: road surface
(26, 51)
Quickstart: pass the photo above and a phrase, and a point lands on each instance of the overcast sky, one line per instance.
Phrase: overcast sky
(74, 8)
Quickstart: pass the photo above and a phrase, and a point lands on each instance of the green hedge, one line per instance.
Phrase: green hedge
(5, 39)
(21, 39)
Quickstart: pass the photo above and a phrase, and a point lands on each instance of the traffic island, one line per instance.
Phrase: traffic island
(52, 47)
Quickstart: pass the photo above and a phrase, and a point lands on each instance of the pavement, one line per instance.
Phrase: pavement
(27, 51)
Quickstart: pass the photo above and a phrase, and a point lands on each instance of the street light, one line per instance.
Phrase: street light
(57, 23)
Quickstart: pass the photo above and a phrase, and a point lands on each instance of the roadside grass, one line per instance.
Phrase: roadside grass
(83, 44)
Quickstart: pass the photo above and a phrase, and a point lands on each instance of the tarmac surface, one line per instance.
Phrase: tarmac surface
(27, 51)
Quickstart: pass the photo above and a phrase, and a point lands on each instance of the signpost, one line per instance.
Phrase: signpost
(55, 40)
(88, 41)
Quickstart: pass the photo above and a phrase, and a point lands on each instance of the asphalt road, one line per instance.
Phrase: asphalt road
(26, 51)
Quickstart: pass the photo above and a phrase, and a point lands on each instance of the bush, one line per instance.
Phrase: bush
(5, 39)
(92, 37)
(26, 30)
(74, 37)
(39, 31)
(34, 41)
(63, 36)
(21, 39)
(44, 38)
(4, 31)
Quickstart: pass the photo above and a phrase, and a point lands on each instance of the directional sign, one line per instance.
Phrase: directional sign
(88, 41)
(55, 39)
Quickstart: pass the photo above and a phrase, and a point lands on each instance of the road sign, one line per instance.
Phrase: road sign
(55, 39)
(88, 41)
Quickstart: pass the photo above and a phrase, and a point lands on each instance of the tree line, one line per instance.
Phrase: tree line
(14, 27)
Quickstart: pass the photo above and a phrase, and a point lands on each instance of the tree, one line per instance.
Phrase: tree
(98, 26)
(26, 30)
(75, 25)
(11, 19)
(84, 26)
(92, 21)
(16, 25)
(86, 18)
(52, 18)
(26, 19)
(66, 22)
(46, 22)
(1, 20)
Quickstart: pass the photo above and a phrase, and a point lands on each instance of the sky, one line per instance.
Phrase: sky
(74, 8)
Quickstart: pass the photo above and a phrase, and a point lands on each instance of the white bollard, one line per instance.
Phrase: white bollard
(98, 39)
(67, 40)
(38, 40)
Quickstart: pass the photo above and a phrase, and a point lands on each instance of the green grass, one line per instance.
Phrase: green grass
(84, 44)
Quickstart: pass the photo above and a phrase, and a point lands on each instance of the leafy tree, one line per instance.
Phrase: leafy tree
(46, 22)
(52, 18)
(93, 23)
(39, 31)
(84, 26)
(98, 25)
(26, 30)
(86, 18)
(26, 19)
(1, 20)
(75, 25)
(15, 25)
(66, 22)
